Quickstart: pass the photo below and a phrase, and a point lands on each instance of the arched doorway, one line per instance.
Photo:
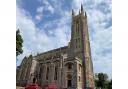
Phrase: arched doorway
(34, 80)
(69, 68)
(69, 80)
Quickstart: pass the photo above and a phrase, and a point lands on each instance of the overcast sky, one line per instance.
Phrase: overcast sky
(46, 25)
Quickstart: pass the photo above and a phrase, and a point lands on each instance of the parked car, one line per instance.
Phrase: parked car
(52, 87)
(33, 86)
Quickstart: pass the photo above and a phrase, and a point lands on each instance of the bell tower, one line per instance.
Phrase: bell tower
(80, 46)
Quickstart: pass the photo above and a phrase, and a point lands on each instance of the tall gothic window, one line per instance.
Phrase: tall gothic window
(69, 66)
(77, 29)
(76, 43)
(79, 42)
(55, 75)
(47, 73)
(41, 72)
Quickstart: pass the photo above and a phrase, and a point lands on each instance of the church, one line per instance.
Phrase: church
(68, 67)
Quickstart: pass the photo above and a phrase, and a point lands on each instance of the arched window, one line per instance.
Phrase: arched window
(55, 74)
(47, 73)
(69, 66)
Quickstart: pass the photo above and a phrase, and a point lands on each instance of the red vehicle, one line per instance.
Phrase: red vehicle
(33, 86)
(52, 87)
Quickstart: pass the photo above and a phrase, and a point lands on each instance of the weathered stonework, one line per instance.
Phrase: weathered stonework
(69, 66)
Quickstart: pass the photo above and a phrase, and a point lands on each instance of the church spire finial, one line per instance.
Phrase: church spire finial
(72, 12)
(82, 10)
(85, 14)
(81, 7)
(79, 12)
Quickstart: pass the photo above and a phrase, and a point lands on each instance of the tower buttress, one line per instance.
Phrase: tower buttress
(80, 47)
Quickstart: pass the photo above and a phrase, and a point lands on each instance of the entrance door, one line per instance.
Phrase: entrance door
(69, 80)
(34, 80)
(69, 83)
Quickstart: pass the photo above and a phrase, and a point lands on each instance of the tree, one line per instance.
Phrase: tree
(19, 42)
(101, 80)
(109, 84)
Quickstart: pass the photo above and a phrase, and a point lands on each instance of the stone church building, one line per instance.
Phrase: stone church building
(67, 67)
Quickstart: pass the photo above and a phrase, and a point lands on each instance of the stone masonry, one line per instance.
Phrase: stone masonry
(67, 67)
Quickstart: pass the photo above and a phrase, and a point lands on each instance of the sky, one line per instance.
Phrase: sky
(46, 25)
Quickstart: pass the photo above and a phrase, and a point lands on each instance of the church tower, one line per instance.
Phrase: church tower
(67, 67)
(80, 46)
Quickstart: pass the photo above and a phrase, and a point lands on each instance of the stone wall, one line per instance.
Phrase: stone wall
(69, 66)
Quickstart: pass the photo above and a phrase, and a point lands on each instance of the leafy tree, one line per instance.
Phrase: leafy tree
(109, 84)
(101, 80)
(19, 42)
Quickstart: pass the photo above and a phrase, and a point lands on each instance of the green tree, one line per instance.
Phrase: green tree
(101, 80)
(109, 84)
(19, 42)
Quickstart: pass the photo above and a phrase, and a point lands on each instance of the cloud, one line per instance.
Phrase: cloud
(39, 14)
(40, 9)
(50, 8)
(33, 36)
(38, 17)
(104, 67)
(47, 6)
(100, 30)
(56, 33)
(38, 40)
